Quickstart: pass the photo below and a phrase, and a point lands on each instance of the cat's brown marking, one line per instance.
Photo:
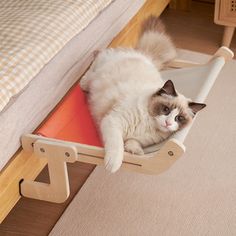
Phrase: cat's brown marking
(168, 89)
(156, 104)
(187, 119)
(196, 106)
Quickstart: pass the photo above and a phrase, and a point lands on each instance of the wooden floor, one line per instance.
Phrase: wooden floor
(36, 218)
(193, 30)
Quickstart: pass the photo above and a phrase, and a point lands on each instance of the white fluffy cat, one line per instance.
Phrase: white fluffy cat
(128, 99)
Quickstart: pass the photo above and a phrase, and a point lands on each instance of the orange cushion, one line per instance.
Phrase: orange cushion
(72, 121)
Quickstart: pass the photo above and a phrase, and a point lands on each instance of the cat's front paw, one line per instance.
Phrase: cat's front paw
(112, 164)
(133, 147)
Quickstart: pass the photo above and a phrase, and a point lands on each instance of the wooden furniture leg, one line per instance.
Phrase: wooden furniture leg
(57, 155)
(228, 35)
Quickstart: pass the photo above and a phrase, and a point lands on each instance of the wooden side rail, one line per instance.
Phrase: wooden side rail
(223, 52)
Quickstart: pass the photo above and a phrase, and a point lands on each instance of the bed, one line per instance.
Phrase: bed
(41, 74)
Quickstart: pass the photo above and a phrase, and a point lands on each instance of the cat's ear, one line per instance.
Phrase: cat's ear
(168, 89)
(195, 107)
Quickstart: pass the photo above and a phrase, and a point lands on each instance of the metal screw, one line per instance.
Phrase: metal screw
(67, 154)
(42, 150)
(171, 153)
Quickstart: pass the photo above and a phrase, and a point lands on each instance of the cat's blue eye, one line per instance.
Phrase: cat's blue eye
(179, 118)
(166, 109)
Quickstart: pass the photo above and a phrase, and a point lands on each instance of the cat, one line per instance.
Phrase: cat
(128, 99)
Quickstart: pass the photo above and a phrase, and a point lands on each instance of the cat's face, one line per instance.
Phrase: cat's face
(172, 111)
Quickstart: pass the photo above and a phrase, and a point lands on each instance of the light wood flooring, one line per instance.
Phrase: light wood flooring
(195, 29)
(192, 30)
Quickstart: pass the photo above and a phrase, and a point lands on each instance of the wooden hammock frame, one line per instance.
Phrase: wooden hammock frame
(58, 152)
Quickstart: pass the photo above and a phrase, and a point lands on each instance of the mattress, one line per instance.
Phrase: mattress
(27, 110)
(32, 32)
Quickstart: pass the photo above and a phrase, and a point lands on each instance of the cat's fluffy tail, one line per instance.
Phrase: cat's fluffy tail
(155, 42)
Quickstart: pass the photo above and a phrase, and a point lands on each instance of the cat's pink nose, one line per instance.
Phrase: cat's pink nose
(168, 123)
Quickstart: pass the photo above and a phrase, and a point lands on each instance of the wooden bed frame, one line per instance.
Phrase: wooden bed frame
(24, 165)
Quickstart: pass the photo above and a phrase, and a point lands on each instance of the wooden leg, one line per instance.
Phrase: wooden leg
(228, 34)
(57, 155)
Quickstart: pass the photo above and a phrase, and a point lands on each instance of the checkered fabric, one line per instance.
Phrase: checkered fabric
(32, 32)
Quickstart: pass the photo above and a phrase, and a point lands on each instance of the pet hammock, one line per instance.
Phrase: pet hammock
(70, 135)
